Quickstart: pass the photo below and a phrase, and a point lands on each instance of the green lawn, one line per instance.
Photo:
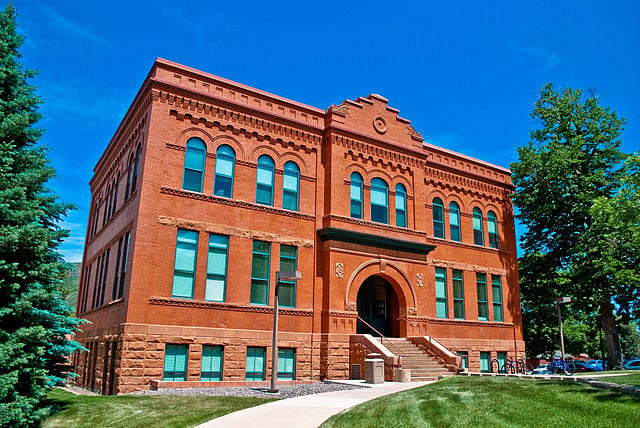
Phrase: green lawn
(633, 378)
(140, 411)
(495, 402)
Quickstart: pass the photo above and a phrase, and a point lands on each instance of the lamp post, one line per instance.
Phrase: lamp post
(560, 300)
(280, 276)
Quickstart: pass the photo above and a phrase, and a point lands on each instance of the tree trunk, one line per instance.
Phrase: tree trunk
(608, 322)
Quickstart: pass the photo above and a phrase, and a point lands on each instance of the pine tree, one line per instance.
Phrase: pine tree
(34, 321)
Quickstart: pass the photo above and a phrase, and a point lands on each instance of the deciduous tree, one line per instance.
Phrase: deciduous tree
(570, 190)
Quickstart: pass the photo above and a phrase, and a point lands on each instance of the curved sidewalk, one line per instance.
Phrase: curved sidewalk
(307, 410)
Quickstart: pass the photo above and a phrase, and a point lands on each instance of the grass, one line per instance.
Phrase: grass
(140, 411)
(495, 402)
(633, 378)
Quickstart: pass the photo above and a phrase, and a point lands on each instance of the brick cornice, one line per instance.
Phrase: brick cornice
(235, 203)
(227, 306)
(222, 112)
(363, 147)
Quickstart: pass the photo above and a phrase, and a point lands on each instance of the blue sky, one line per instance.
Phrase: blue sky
(465, 73)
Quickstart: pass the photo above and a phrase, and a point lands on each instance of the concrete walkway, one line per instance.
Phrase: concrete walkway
(308, 410)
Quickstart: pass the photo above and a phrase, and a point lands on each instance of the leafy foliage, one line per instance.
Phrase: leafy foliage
(34, 321)
(578, 200)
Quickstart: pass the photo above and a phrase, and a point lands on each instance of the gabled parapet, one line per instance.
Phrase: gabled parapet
(373, 116)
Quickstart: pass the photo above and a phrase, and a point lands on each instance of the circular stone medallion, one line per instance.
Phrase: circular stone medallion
(379, 125)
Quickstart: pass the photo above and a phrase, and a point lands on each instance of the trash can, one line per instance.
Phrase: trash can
(374, 369)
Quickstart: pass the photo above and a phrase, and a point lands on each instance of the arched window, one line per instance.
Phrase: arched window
(356, 195)
(438, 218)
(134, 178)
(264, 180)
(193, 165)
(492, 227)
(223, 180)
(291, 186)
(379, 201)
(478, 231)
(401, 206)
(454, 221)
(127, 189)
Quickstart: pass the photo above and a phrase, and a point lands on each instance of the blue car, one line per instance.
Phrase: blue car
(632, 364)
(595, 365)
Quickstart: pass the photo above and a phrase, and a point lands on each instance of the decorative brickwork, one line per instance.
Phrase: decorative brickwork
(209, 187)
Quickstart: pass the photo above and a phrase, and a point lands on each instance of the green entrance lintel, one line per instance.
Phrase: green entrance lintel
(343, 235)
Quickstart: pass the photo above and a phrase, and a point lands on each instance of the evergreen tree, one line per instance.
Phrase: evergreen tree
(570, 189)
(34, 321)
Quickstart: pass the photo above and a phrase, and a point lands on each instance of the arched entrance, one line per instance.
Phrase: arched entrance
(378, 305)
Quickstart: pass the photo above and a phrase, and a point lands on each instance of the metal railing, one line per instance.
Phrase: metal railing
(382, 336)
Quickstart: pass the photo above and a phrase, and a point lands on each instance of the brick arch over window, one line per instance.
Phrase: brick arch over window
(297, 159)
(378, 173)
(265, 149)
(229, 141)
(388, 270)
(493, 207)
(191, 132)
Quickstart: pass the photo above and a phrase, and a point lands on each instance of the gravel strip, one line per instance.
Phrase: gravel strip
(285, 391)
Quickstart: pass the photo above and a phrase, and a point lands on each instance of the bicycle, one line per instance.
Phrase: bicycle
(511, 366)
(561, 366)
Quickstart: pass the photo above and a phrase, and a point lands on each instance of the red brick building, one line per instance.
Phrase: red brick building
(209, 187)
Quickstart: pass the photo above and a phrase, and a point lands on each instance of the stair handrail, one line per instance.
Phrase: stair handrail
(417, 326)
(382, 336)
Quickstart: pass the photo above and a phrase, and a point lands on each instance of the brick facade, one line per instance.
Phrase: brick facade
(139, 203)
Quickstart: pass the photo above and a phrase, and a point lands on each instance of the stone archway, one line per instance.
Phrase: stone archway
(402, 296)
(378, 308)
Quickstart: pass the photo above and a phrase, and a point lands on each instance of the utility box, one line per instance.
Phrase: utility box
(374, 369)
(402, 375)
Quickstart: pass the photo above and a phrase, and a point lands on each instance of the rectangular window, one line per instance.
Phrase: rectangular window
(496, 297)
(123, 266)
(288, 262)
(175, 362)
(481, 283)
(85, 288)
(255, 363)
(356, 199)
(502, 361)
(184, 272)
(116, 280)
(485, 361)
(464, 359)
(105, 272)
(454, 224)
(212, 358)
(217, 268)
(260, 264)
(458, 294)
(441, 293)
(286, 363)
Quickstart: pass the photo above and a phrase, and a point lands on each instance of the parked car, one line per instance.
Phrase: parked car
(541, 369)
(594, 365)
(581, 366)
(632, 364)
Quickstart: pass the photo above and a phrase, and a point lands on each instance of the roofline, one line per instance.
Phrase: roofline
(256, 91)
(469, 158)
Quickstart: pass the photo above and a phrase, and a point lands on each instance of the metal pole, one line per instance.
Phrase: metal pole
(561, 335)
(274, 343)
